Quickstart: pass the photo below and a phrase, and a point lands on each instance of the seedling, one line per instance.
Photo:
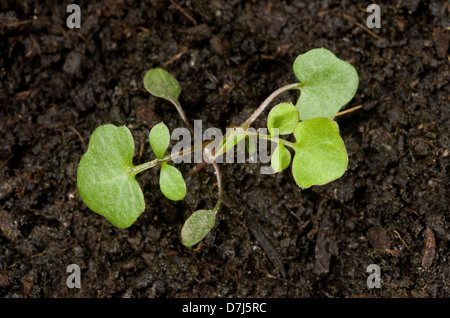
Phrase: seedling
(106, 175)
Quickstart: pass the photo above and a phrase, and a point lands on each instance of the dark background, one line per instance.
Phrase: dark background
(271, 239)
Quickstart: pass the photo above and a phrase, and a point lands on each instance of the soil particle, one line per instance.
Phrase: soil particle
(429, 248)
(379, 239)
(145, 115)
(265, 243)
(326, 245)
(9, 227)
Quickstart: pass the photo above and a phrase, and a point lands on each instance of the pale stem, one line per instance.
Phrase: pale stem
(219, 187)
(180, 110)
(266, 102)
(278, 140)
(153, 163)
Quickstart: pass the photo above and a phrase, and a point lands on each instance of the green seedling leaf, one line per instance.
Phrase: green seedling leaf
(284, 117)
(197, 226)
(281, 158)
(326, 83)
(171, 182)
(159, 138)
(320, 155)
(161, 83)
(105, 177)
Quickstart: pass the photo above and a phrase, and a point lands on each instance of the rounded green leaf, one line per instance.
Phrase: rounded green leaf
(197, 226)
(105, 177)
(284, 117)
(281, 158)
(320, 155)
(326, 83)
(159, 138)
(171, 182)
(161, 83)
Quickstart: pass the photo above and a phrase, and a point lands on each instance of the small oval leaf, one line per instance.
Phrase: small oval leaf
(161, 83)
(284, 117)
(159, 138)
(171, 182)
(281, 158)
(320, 155)
(104, 177)
(197, 226)
(326, 83)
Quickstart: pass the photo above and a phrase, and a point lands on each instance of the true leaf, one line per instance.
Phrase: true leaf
(105, 177)
(320, 155)
(171, 182)
(326, 83)
(159, 138)
(281, 158)
(284, 117)
(197, 226)
(161, 83)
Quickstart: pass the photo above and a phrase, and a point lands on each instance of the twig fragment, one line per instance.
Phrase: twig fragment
(349, 110)
(404, 243)
(376, 36)
(184, 12)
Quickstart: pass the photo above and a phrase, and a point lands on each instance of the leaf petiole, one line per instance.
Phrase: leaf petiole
(265, 137)
(153, 163)
(278, 140)
(266, 102)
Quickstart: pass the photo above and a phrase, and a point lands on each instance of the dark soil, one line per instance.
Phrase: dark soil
(271, 239)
